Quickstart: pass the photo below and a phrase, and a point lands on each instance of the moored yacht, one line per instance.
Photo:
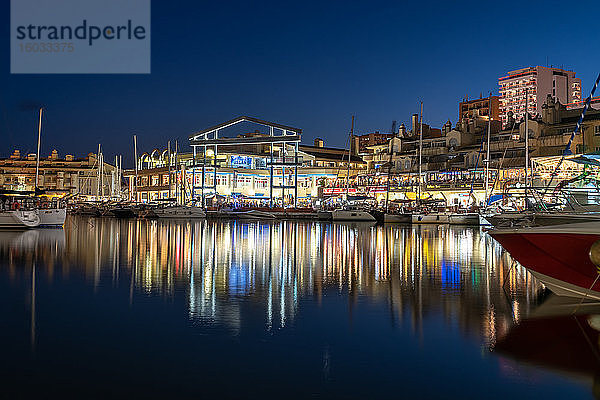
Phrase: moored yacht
(52, 213)
(19, 219)
(539, 218)
(466, 218)
(352, 215)
(564, 257)
(176, 211)
(400, 218)
(435, 217)
(52, 216)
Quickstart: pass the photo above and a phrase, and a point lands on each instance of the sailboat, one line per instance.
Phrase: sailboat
(393, 217)
(423, 216)
(51, 213)
(437, 215)
(350, 213)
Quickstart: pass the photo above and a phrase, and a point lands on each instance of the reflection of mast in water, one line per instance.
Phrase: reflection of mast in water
(136, 259)
(282, 275)
(418, 278)
(116, 250)
(33, 308)
(295, 269)
(490, 312)
(213, 271)
(390, 278)
(97, 263)
(270, 282)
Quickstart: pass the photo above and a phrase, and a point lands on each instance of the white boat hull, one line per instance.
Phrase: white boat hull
(432, 218)
(52, 216)
(19, 219)
(181, 212)
(352, 215)
(562, 288)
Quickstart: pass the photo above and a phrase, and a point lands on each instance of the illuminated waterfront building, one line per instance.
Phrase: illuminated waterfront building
(68, 175)
(538, 82)
(453, 160)
(254, 167)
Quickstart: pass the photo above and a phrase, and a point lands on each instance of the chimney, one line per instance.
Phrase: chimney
(355, 144)
(415, 124)
(319, 142)
(54, 155)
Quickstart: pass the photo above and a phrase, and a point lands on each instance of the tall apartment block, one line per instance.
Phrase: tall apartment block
(539, 82)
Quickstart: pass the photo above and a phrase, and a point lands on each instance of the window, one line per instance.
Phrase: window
(565, 130)
(597, 130)
(261, 183)
(221, 180)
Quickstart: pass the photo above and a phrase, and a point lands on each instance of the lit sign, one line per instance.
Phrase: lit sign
(241, 162)
(339, 190)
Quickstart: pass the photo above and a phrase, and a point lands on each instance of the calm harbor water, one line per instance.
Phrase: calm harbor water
(132, 308)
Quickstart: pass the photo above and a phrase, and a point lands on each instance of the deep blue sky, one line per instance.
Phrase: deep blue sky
(309, 65)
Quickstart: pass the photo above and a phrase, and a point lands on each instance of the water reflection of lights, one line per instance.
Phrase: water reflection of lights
(224, 267)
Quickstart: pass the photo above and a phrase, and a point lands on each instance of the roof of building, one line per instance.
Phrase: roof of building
(329, 153)
(591, 114)
(245, 118)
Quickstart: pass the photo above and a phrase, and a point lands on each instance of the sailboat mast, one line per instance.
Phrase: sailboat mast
(37, 162)
(135, 162)
(349, 153)
(115, 174)
(98, 175)
(420, 150)
(176, 175)
(102, 173)
(526, 142)
(487, 156)
(387, 189)
(120, 175)
(169, 162)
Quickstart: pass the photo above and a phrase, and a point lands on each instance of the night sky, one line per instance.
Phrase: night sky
(308, 65)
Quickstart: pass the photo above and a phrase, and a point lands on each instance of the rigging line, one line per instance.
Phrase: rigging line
(567, 150)
(501, 162)
(341, 160)
(586, 294)
(476, 165)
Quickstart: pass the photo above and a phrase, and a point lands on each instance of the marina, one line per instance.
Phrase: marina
(299, 200)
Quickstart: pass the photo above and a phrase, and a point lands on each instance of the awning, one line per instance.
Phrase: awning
(587, 159)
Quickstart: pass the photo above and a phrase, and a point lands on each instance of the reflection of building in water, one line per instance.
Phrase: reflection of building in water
(226, 268)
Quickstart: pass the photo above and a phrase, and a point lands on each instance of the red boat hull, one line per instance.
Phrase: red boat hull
(561, 256)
